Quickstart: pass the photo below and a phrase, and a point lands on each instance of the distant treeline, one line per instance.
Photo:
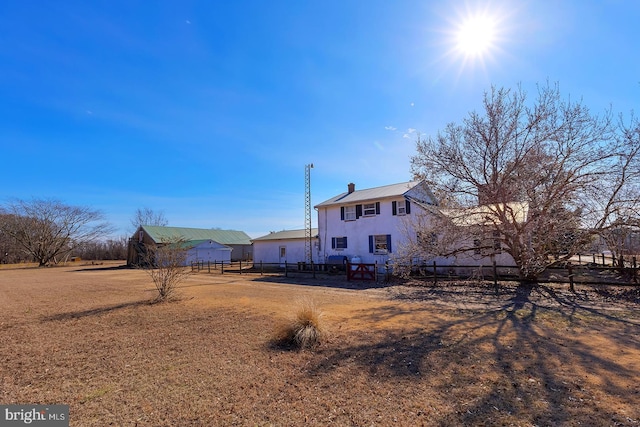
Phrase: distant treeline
(103, 250)
(111, 249)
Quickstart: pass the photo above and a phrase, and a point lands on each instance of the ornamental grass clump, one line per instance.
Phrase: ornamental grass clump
(304, 330)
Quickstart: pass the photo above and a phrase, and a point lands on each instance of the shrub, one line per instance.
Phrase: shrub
(304, 330)
(165, 264)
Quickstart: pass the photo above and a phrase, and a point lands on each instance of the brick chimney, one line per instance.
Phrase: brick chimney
(351, 187)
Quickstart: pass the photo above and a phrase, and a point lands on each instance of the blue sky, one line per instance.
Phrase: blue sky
(210, 110)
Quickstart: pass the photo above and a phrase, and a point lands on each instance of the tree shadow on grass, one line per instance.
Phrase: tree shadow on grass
(106, 268)
(518, 363)
(96, 311)
(322, 281)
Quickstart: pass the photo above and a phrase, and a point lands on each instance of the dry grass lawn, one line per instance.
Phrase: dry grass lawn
(449, 355)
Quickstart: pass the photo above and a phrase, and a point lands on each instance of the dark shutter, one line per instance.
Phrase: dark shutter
(345, 242)
(358, 211)
(377, 208)
(394, 210)
(389, 243)
(408, 208)
(342, 213)
(370, 244)
(333, 243)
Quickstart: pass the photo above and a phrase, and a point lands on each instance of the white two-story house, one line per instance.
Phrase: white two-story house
(367, 224)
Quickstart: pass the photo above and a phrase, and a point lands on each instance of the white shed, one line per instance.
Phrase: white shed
(207, 251)
(287, 245)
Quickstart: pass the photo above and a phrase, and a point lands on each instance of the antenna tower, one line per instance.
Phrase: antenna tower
(308, 250)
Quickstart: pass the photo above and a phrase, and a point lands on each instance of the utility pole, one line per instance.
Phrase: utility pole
(308, 247)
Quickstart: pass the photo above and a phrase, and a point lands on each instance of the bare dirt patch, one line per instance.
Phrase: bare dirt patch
(455, 354)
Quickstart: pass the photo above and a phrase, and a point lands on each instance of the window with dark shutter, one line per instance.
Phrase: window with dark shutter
(369, 209)
(380, 243)
(350, 213)
(339, 243)
(400, 207)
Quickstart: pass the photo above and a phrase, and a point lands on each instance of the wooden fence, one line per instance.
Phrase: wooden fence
(581, 270)
(262, 268)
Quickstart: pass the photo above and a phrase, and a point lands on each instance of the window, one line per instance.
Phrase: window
(427, 240)
(369, 209)
(349, 213)
(380, 243)
(339, 243)
(497, 242)
(402, 207)
(477, 246)
(488, 245)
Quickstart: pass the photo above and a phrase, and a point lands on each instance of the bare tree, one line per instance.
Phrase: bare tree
(147, 216)
(47, 229)
(166, 265)
(109, 249)
(543, 178)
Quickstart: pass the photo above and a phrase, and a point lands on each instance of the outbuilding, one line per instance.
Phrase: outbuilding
(207, 251)
(238, 242)
(283, 246)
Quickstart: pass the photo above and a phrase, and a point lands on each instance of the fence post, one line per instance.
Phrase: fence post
(594, 258)
(375, 271)
(261, 268)
(570, 268)
(286, 270)
(435, 274)
(387, 277)
(635, 270)
(603, 263)
(313, 269)
(579, 259)
(495, 275)
(221, 267)
(209, 266)
(240, 267)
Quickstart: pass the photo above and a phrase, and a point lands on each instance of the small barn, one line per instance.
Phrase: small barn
(238, 242)
(287, 245)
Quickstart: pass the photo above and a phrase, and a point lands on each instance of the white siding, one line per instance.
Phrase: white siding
(331, 225)
(357, 232)
(208, 252)
(268, 251)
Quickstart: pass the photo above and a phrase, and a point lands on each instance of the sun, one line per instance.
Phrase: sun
(476, 35)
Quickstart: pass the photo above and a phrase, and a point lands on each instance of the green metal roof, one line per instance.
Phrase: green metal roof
(225, 237)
